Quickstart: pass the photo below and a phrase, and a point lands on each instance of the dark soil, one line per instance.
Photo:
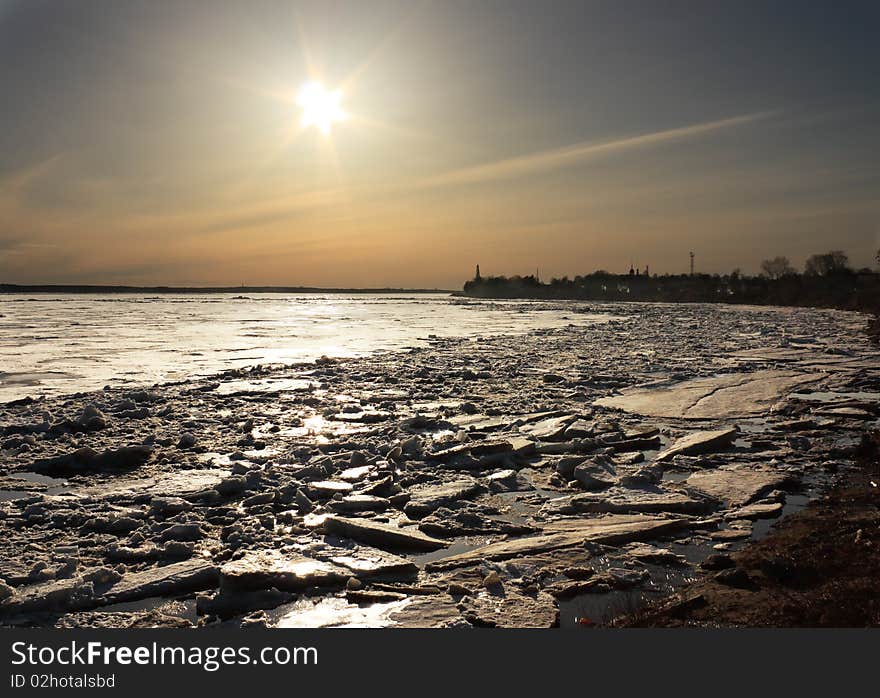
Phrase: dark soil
(817, 568)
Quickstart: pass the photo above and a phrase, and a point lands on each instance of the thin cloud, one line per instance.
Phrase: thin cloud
(571, 155)
(14, 183)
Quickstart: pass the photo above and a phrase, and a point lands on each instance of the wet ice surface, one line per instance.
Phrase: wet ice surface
(55, 345)
(558, 477)
(34, 482)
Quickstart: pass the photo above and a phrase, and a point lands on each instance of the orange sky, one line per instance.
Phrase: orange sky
(169, 150)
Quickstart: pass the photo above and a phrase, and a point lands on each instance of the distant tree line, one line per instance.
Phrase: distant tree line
(830, 263)
(827, 281)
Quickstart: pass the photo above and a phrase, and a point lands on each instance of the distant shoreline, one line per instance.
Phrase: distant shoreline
(845, 290)
(71, 288)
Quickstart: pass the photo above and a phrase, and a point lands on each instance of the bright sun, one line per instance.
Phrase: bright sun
(320, 106)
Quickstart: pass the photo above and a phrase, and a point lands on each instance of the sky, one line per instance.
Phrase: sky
(162, 143)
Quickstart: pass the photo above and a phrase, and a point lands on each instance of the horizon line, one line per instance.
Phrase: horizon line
(262, 288)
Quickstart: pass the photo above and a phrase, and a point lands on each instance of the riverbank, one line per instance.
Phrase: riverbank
(843, 290)
(817, 568)
(503, 481)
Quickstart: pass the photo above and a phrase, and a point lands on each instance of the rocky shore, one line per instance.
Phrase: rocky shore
(818, 568)
(557, 478)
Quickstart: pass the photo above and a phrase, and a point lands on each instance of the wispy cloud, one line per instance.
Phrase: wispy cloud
(568, 156)
(15, 182)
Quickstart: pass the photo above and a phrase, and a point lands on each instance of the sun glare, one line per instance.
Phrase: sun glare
(320, 106)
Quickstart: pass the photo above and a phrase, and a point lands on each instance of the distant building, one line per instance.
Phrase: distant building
(477, 277)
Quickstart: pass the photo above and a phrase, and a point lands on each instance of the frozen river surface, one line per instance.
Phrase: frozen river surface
(52, 345)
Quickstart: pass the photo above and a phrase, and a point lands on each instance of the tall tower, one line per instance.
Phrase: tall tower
(478, 277)
(692, 263)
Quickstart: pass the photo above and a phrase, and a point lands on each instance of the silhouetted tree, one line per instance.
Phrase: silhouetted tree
(777, 268)
(833, 262)
(830, 283)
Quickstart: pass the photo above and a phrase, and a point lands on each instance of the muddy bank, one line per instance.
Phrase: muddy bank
(530, 481)
(818, 568)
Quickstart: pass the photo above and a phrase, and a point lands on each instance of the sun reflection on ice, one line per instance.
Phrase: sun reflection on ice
(314, 425)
